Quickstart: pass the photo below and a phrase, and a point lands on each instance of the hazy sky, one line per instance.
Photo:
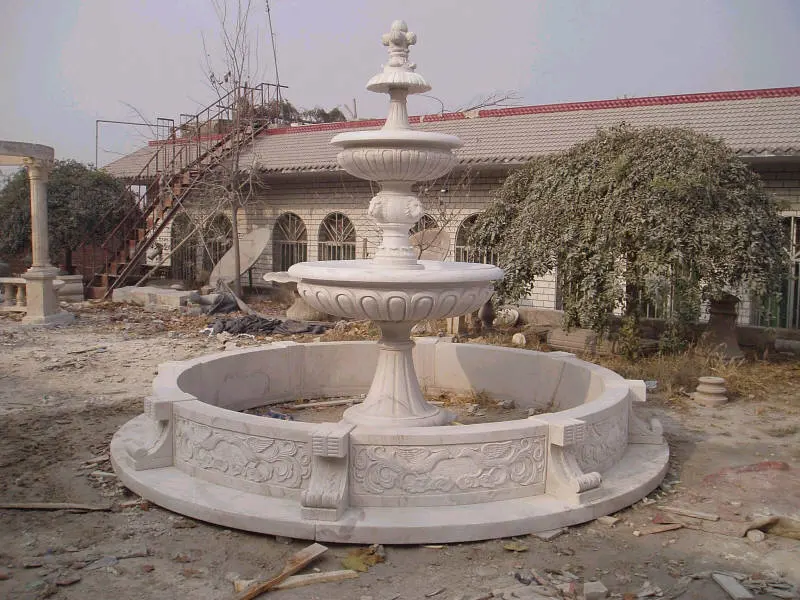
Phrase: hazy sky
(65, 63)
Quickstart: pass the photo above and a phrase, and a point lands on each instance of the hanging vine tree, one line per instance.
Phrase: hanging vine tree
(632, 215)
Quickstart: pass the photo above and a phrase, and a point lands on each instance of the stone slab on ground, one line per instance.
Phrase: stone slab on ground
(151, 296)
(594, 590)
(732, 587)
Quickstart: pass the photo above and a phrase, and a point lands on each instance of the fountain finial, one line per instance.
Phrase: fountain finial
(398, 40)
(399, 71)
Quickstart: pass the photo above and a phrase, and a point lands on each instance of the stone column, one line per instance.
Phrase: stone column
(38, 173)
(42, 306)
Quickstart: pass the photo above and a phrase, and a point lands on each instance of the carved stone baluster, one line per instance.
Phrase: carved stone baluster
(22, 299)
(326, 497)
(565, 479)
(9, 294)
(158, 452)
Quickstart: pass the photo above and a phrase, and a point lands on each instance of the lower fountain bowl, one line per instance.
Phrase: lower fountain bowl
(194, 453)
(362, 290)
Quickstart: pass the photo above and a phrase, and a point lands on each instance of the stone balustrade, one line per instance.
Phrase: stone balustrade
(15, 295)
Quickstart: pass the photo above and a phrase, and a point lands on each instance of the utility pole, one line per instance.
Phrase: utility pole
(274, 55)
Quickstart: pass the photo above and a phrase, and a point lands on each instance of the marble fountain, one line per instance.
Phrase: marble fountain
(393, 469)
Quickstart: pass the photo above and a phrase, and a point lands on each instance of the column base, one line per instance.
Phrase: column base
(59, 318)
(357, 417)
(42, 302)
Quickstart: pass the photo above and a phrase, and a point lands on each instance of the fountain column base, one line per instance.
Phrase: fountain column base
(395, 398)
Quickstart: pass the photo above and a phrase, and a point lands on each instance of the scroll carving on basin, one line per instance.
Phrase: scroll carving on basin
(394, 304)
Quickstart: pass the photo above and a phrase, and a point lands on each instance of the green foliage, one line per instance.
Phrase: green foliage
(631, 215)
(629, 340)
(282, 111)
(320, 115)
(78, 199)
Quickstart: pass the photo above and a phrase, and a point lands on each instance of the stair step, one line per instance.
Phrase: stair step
(96, 292)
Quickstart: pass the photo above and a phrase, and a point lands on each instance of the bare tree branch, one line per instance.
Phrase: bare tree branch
(497, 99)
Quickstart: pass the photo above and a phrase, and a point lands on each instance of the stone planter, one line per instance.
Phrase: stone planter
(721, 331)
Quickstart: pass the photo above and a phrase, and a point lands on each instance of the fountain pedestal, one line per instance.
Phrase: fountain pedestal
(395, 398)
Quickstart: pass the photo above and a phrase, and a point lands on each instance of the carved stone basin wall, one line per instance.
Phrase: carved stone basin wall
(193, 453)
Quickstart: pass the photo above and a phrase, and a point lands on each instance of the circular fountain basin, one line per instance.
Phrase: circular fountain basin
(193, 452)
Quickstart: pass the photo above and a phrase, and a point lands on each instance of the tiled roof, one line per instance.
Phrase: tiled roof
(752, 122)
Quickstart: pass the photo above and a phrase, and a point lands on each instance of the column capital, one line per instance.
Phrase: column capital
(37, 167)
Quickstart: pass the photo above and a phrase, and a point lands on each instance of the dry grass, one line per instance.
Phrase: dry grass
(677, 374)
(480, 398)
(351, 331)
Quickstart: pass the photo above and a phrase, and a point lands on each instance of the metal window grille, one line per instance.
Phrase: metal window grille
(466, 254)
(783, 310)
(337, 238)
(184, 258)
(289, 242)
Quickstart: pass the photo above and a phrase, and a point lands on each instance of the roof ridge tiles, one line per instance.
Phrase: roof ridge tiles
(664, 100)
(644, 101)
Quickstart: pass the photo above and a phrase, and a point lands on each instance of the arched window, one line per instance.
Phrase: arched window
(466, 254)
(429, 239)
(426, 222)
(184, 242)
(218, 238)
(337, 238)
(289, 242)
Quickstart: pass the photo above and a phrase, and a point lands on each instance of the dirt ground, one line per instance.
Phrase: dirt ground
(65, 390)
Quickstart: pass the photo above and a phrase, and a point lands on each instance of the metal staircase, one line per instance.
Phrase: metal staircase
(194, 148)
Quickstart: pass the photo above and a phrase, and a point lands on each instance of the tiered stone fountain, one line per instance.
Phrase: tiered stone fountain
(392, 470)
(394, 289)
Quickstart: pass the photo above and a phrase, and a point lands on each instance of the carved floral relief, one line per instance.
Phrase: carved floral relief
(284, 463)
(605, 444)
(452, 468)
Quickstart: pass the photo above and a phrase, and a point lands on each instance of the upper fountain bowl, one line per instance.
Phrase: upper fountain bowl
(396, 154)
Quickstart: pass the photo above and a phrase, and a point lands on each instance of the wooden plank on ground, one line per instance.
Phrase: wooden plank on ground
(297, 561)
(53, 506)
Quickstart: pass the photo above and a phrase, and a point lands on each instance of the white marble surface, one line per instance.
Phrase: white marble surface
(412, 485)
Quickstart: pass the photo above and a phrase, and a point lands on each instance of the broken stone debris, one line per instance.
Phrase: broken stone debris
(594, 590)
(551, 534)
(756, 535)
(255, 324)
(733, 588)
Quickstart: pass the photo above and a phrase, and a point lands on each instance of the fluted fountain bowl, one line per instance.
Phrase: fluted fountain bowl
(396, 154)
(360, 289)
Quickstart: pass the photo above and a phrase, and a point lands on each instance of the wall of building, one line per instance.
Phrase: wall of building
(314, 196)
(783, 183)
